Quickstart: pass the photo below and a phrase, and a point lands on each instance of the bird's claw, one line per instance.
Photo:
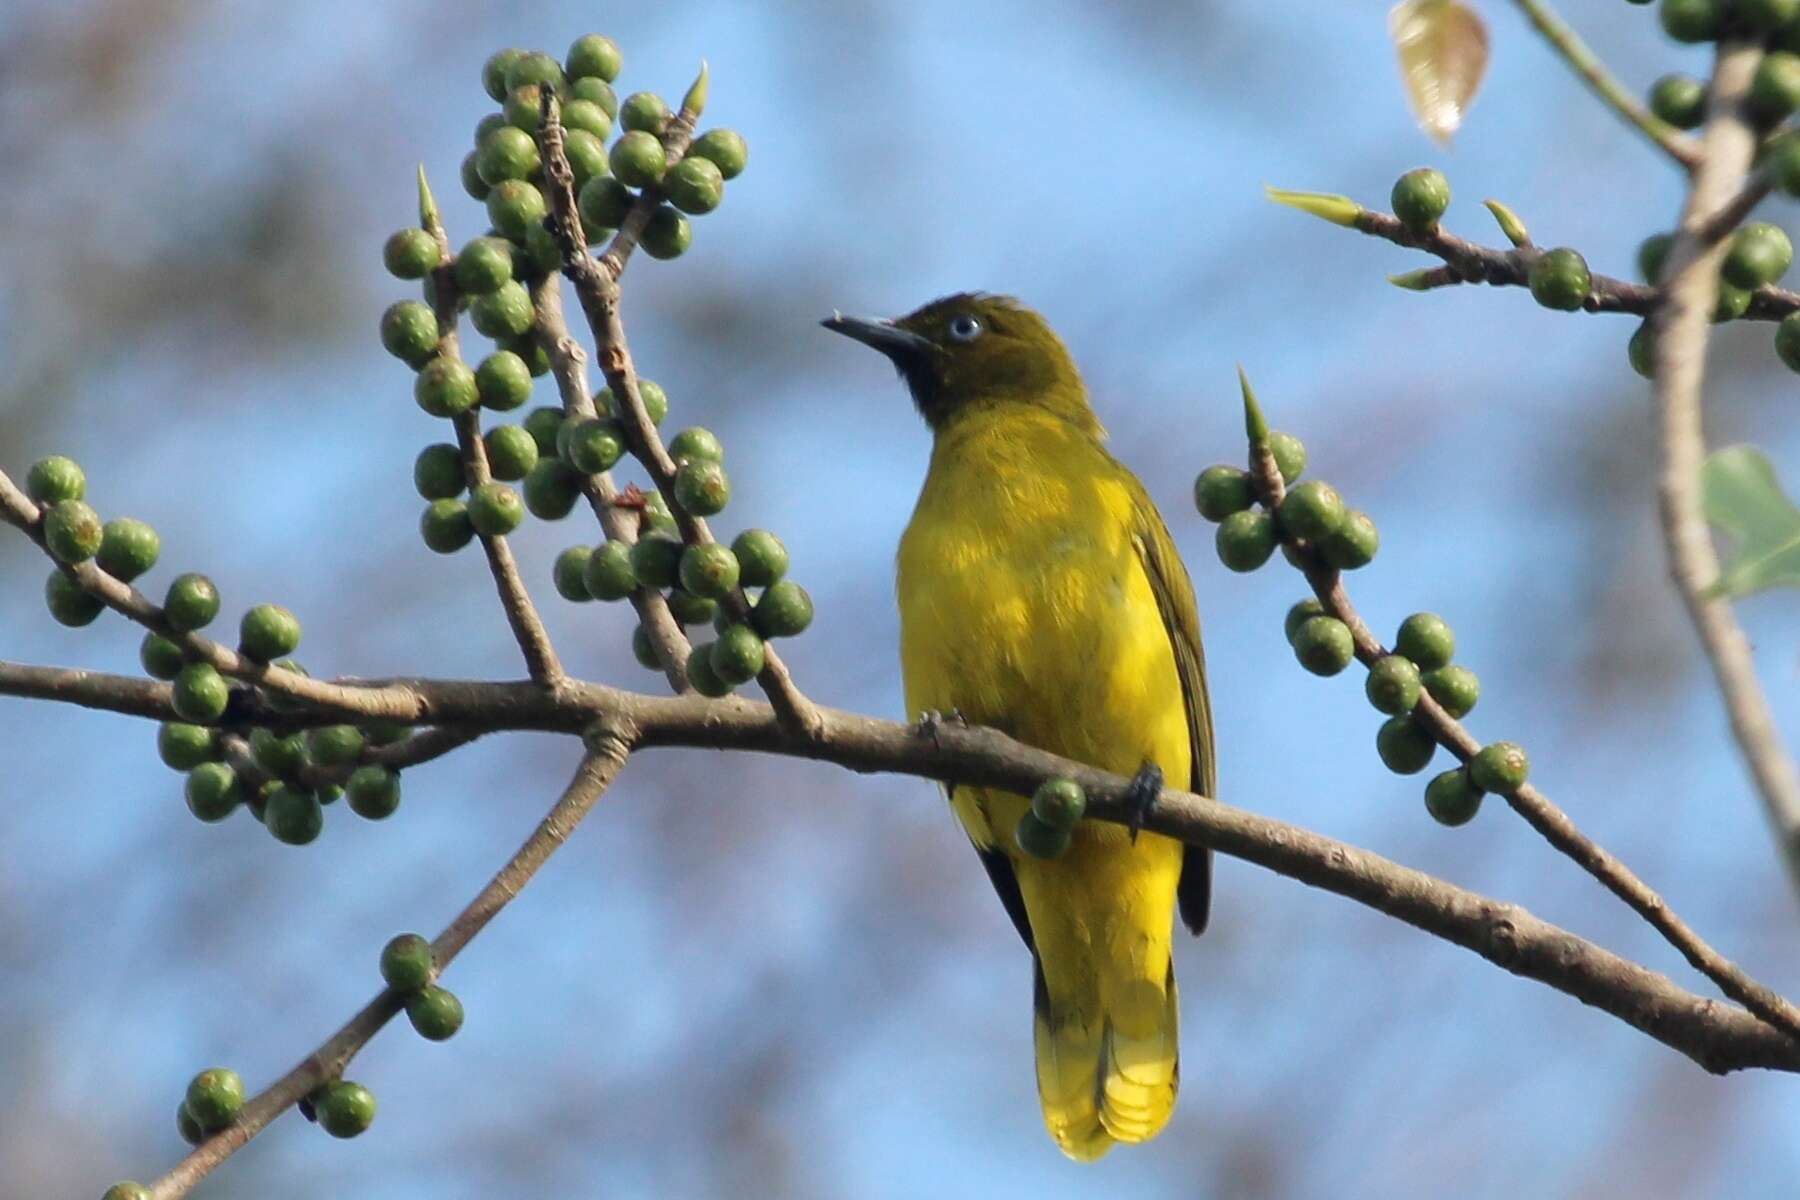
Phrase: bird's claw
(1141, 796)
(933, 720)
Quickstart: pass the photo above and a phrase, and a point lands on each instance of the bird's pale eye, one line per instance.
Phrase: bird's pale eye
(964, 328)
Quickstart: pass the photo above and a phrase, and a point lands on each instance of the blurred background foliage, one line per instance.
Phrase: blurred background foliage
(775, 978)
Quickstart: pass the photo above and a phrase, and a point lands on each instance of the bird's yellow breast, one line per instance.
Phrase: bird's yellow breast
(1024, 601)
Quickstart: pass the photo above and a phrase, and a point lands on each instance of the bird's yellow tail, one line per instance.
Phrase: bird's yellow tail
(1108, 1072)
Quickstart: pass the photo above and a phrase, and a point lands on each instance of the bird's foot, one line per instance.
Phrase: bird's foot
(933, 721)
(1141, 796)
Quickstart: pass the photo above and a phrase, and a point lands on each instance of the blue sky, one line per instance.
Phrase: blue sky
(780, 979)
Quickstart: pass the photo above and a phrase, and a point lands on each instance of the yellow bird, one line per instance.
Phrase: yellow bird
(1040, 593)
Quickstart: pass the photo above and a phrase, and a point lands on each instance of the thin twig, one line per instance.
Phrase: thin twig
(568, 363)
(1593, 72)
(607, 752)
(1471, 262)
(521, 614)
(1680, 357)
(597, 287)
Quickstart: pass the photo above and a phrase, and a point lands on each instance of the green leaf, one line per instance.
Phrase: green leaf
(1443, 49)
(1740, 495)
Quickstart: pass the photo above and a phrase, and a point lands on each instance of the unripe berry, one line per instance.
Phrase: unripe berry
(1302, 612)
(1220, 491)
(506, 153)
(655, 400)
(584, 116)
(1393, 684)
(1640, 349)
(1652, 253)
(199, 693)
(696, 442)
(1451, 798)
(1500, 767)
(694, 185)
(445, 526)
(410, 254)
(551, 489)
(472, 182)
(1311, 510)
(409, 331)
(1787, 341)
(609, 574)
(594, 55)
(638, 159)
(495, 510)
(667, 234)
(1783, 163)
(762, 558)
(1680, 100)
(1323, 645)
(784, 610)
(1733, 302)
(1290, 455)
(438, 472)
(1404, 745)
(1041, 840)
(603, 203)
(55, 479)
(484, 264)
(445, 387)
(182, 747)
(127, 1190)
(644, 112)
(511, 452)
(268, 632)
(1426, 639)
(504, 312)
(515, 206)
(344, 1109)
(709, 571)
(701, 675)
(1059, 803)
(597, 91)
(503, 381)
(373, 791)
(493, 71)
(1760, 253)
(1245, 540)
(72, 531)
(128, 548)
(436, 1014)
(1352, 544)
(214, 1098)
(283, 757)
(568, 573)
(1455, 688)
(1560, 279)
(1420, 198)
(292, 815)
(1691, 20)
(187, 1126)
(702, 487)
(161, 658)
(1775, 89)
(724, 148)
(656, 561)
(1767, 16)
(592, 445)
(738, 655)
(335, 745)
(689, 609)
(69, 603)
(533, 67)
(212, 791)
(406, 963)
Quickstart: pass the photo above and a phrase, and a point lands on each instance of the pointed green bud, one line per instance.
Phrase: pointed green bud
(429, 217)
(1509, 223)
(1421, 280)
(1255, 428)
(1339, 210)
(694, 103)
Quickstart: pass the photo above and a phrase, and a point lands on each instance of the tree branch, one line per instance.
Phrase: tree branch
(1680, 356)
(1720, 1038)
(1612, 93)
(607, 751)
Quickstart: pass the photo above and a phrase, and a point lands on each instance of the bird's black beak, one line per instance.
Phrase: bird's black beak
(908, 350)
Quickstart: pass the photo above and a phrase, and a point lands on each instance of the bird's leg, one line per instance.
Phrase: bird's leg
(933, 720)
(1141, 796)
